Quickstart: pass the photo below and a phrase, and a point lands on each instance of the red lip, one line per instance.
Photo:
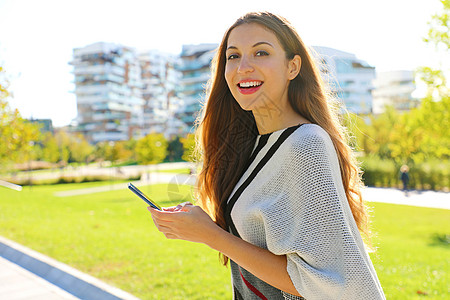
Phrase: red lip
(250, 90)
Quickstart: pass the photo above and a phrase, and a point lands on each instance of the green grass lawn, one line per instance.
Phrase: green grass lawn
(413, 255)
(111, 236)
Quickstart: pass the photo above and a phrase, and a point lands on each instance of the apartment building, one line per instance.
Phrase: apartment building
(108, 91)
(159, 82)
(195, 62)
(394, 88)
(122, 94)
(349, 78)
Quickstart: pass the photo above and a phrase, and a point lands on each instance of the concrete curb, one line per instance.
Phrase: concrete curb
(61, 275)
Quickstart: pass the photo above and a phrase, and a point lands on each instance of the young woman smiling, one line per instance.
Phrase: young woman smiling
(279, 188)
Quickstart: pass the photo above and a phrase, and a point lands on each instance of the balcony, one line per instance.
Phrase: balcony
(108, 116)
(203, 77)
(99, 69)
(109, 136)
(193, 65)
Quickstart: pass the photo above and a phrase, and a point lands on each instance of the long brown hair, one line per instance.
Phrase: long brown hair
(226, 133)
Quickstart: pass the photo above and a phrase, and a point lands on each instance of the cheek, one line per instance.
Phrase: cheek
(229, 76)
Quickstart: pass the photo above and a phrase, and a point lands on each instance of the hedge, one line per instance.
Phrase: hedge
(432, 175)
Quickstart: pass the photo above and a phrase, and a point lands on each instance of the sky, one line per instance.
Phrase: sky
(37, 38)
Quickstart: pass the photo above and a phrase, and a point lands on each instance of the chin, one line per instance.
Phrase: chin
(246, 105)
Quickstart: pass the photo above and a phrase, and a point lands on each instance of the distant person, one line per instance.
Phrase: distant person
(404, 177)
(278, 179)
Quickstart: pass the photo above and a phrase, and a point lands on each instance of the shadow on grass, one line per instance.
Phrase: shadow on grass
(440, 240)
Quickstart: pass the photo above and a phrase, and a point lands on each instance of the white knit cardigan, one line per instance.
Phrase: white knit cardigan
(295, 205)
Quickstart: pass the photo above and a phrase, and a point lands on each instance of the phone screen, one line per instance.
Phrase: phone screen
(143, 196)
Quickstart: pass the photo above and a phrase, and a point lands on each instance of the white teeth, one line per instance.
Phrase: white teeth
(249, 84)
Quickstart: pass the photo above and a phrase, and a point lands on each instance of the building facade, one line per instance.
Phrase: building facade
(349, 78)
(394, 88)
(159, 82)
(108, 89)
(195, 67)
(122, 94)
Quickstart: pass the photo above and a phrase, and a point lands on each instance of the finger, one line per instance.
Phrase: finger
(185, 205)
(159, 214)
(170, 208)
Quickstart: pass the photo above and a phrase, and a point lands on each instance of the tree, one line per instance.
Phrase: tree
(438, 31)
(79, 148)
(438, 35)
(115, 151)
(17, 136)
(175, 150)
(151, 149)
(49, 149)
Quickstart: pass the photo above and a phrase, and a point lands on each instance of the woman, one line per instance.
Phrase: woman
(278, 177)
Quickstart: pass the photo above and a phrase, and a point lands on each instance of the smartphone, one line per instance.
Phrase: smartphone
(143, 196)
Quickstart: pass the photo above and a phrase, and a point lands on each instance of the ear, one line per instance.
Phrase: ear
(295, 65)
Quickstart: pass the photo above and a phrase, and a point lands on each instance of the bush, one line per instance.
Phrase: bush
(431, 175)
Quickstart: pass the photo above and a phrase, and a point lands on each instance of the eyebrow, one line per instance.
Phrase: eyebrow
(255, 45)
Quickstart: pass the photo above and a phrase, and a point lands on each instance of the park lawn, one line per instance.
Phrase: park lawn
(110, 236)
(413, 255)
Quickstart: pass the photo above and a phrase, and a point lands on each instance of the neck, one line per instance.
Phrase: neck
(270, 119)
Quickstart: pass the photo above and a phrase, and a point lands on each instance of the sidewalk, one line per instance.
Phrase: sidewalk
(18, 283)
(430, 199)
(27, 274)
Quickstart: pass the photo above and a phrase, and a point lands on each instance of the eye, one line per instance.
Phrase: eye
(232, 56)
(262, 53)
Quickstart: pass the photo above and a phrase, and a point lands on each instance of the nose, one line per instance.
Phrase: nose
(245, 66)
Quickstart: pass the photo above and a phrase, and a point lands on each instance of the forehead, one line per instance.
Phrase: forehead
(250, 34)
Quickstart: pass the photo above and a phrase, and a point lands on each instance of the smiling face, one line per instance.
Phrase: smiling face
(257, 70)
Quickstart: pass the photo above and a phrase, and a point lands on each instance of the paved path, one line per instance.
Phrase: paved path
(18, 283)
(413, 198)
(27, 274)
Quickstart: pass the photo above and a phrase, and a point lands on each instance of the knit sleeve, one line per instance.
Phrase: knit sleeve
(311, 223)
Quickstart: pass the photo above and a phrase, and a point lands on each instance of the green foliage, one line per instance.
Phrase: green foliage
(438, 35)
(175, 150)
(50, 150)
(17, 136)
(151, 149)
(435, 81)
(432, 174)
(67, 147)
(419, 138)
(406, 138)
(116, 152)
(438, 32)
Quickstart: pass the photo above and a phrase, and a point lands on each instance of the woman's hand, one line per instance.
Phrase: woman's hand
(185, 222)
(191, 223)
